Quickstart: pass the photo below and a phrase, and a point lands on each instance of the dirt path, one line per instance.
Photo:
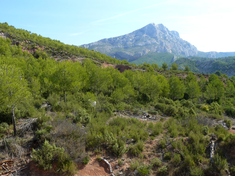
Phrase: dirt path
(93, 168)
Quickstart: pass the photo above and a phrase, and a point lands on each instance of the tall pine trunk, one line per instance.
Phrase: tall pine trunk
(13, 120)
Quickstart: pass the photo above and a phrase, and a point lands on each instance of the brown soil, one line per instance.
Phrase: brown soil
(232, 131)
(104, 65)
(93, 168)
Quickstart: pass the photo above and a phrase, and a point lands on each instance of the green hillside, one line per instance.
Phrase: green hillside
(59, 114)
(158, 58)
(225, 65)
(182, 62)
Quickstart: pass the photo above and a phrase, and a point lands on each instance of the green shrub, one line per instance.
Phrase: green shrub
(49, 154)
(162, 143)
(176, 159)
(187, 103)
(120, 162)
(232, 169)
(204, 107)
(3, 128)
(196, 171)
(220, 163)
(144, 170)
(152, 112)
(192, 112)
(215, 108)
(167, 156)
(150, 126)
(157, 129)
(205, 130)
(182, 112)
(99, 158)
(161, 107)
(119, 147)
(230, 111)
(215, 116)
(156, 162)
(170, 110)
(228, 123)
(137, 148)
(134, 165)
(163, 170)
(86, 160)
(189, 161)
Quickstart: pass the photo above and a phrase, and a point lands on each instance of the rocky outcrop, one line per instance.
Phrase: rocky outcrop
(151, 38)
(4, 35)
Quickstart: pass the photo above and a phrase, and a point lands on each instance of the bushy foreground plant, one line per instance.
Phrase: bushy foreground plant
(49, 154)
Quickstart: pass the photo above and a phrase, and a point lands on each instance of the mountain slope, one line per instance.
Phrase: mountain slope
(158, 58)
(205, 65)
(151, 38)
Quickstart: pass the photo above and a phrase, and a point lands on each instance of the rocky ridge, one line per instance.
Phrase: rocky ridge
(151, 38)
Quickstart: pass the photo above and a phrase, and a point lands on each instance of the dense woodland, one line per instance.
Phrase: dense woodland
(85, 100)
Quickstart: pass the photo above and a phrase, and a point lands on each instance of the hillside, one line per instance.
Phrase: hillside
(158, 58)
(62, 117)
(151, 38)
(203, 65)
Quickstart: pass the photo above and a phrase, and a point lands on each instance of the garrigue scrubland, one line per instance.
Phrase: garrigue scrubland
(74, 108)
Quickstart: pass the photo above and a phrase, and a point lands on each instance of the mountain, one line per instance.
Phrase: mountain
(214, 54)
(149, 39)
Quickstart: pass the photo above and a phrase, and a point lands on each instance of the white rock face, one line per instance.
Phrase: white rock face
(151, 38)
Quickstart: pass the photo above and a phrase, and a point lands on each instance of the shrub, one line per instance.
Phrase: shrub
(120, 162)
(196, 171)
(99, 158)
(182, 112)
(189, 161)
(144, 170)
(170, 110)
(86, 160)
(232, 169)
(119, 147)
(230, 111)
(161, 107)
(162, 143)
(192, 112)
(167, 156)
(150, 125)
(157, 129)
(152, 112)
(176, 159)
(162, 170)
(187, 103)
(220, 163)
(205, 108)
(205, 130)
(81, 116)
(156, 162)
(137, 148)
(49, 154)
(228, 123)
(216, 108)
(134, 165)
(3, 128)
(69, 136)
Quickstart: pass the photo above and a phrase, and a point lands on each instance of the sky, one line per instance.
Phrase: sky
(207, 24)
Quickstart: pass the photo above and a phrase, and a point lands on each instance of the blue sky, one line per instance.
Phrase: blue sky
(207, 24)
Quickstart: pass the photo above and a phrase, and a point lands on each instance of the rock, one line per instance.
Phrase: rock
(150, 38)
(116, 166)
(136, 172)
